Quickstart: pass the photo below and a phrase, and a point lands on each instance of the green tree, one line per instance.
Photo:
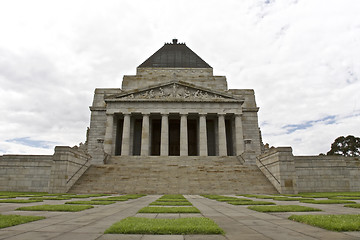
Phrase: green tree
(346, 146)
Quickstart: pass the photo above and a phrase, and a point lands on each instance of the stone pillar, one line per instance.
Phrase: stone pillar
(125, 147)
(145, 139)
(239, 135)
(183, 136)
(203, 151)
(108, 140)
(164, 143)
(222, 135)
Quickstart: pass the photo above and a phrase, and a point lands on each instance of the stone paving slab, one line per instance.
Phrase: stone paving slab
(237, 221)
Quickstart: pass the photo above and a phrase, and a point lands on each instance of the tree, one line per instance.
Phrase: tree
(347, 146)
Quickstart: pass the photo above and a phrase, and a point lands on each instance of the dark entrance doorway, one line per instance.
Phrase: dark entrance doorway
(174, 137)
(155, 137)
(192, 137)
(137, 137)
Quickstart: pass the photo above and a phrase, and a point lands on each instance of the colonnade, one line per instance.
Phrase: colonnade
(198, 135)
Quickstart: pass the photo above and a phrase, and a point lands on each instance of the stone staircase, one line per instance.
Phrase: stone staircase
(172, 175)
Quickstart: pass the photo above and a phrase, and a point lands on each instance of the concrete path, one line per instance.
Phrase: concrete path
(237, 221)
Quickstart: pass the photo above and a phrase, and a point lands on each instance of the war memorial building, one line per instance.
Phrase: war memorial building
(174, 127)
(173, 106)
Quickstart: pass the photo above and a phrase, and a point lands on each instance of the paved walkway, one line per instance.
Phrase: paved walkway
(238, 222)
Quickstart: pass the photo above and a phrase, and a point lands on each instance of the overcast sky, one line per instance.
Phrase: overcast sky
(302, 58)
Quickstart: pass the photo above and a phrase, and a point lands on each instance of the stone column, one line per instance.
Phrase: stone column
(145, 139)
(164, 143)
(125, 147)
(108, 140)
(222, 135)
(183, 135)
(239, 135)
(203, 151)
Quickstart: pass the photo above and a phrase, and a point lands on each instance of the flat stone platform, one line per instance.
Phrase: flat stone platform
(237, 221)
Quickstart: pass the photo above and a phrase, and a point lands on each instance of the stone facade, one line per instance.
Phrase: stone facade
(293, 174)
(173, 111)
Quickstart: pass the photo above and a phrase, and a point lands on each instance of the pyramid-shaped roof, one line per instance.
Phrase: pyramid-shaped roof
(174, 55)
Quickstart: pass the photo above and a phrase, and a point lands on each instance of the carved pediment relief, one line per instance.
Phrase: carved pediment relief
(174, 91)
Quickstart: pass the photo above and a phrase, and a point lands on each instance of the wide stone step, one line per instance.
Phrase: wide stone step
(185, 175)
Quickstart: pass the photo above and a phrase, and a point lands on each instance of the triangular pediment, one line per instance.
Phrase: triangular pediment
(174, 91)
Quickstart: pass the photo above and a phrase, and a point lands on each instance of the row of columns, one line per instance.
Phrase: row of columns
(164, 146)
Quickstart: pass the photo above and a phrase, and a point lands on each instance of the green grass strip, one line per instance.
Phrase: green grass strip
(19, 201)
(328, 201)
(172, 200)
(56, 208)
(344, 198)
(87, 195)
(12, 220)
(91, 202)
(179, 226)
(283, 208)
(49, 198)
(257, 196)
(172, 196)
(171, 203)
(356, 205)
(110, 199)
(169, 210)
(290, 199)
(329, 194)
(250, 203)
(340, 223)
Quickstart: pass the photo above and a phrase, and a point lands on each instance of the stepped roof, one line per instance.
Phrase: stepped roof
(174, 55)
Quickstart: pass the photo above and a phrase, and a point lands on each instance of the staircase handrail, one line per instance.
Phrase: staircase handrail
(267, 169)
(78, 170)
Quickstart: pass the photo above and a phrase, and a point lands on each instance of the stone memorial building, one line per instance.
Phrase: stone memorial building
(173, 106)
(174, 127)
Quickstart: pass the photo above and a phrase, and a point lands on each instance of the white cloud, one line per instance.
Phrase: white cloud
(299, 56)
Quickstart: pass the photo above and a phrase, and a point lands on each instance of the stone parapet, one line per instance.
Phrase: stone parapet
(28, 173)
(278, 166)
(292, 174)
(68, 165)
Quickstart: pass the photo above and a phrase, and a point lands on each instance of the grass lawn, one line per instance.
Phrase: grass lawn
(91, 202)
(346, 222)
(169, 210)
(110, 199)
(344, 198)
(172, 196)
(172, 200)
(87, 195)
(158, 203)
(356, 205)
(19, 201)
(12, 220)
(121, 198)
(250, 203)
(179, 226)
(328, 201)
(290, 199)
(56, 208)
(257, 196)
(328, 194)
(283, 208)
(49, 198)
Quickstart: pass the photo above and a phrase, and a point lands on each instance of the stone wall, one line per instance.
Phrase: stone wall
(278, 166)
(25, 172)
(68, 166)
(42, 173)
(309, 173)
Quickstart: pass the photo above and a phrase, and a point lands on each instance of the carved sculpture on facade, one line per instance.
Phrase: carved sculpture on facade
(174, 91)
